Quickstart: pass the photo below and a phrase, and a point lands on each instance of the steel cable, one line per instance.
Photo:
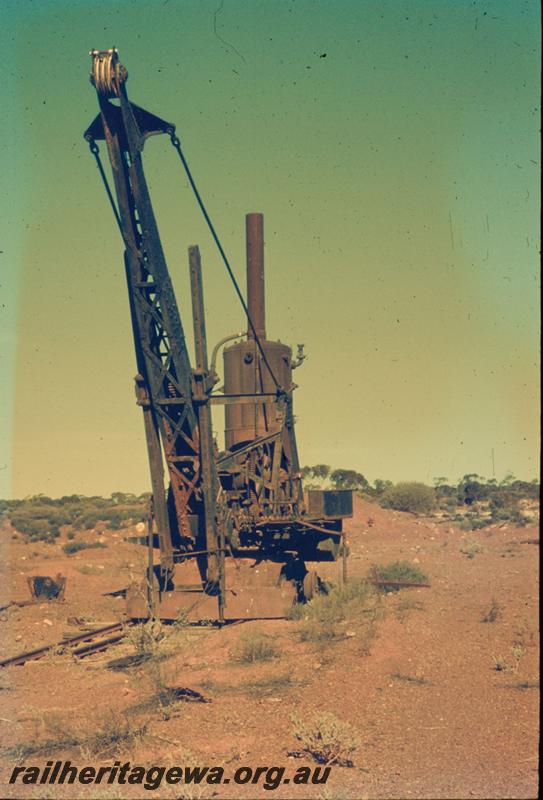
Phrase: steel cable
(177, 146)
(96, 153)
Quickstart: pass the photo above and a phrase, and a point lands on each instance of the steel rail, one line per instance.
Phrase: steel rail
(32, 655)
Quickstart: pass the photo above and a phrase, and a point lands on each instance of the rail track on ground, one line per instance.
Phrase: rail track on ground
(95, 641)
(80, 646)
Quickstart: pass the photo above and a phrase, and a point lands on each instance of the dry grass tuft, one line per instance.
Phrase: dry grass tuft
(493, 612)
(327, 739)
(418, 680)
(471, 548)
(326, 617)
(117, 731)
(254, 646)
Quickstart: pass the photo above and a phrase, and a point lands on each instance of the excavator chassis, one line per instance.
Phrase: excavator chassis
(254, 587)
(234, 528)
(255, 590)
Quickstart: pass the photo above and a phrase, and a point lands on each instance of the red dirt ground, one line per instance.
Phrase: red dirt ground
(434, 717)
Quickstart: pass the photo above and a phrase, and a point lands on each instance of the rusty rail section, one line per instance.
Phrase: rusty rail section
(18, 603)
(88, 647)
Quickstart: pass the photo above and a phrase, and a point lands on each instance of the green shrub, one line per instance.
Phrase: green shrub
(480, 522)
(74, 547)
(323, 615)
(510, 513)
(474, 523)
(35, 529)
(89, 521)
(40, 518)
(416, 498)
(401, 571)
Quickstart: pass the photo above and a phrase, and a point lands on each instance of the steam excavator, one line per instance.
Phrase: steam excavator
(234, 528)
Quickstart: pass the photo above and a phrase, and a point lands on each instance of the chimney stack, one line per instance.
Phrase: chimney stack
(254, 226)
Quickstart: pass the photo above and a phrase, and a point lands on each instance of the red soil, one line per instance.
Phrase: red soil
(434, 717)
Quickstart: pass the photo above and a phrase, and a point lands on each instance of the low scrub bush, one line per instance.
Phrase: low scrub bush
(416, 498)
(74, 547)
(254, 646)
(146, 637)
(471, 548)
(473, 523)
(115, 732)
(405, 605)
(40, 518)
(500, 664)
(396, 571)
(35, 529)
(327, 739)
(511, 514)
(323, 615)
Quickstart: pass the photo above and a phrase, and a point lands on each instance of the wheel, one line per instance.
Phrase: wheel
(311, 585)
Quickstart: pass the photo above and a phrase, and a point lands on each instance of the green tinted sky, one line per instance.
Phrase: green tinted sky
(399, 178)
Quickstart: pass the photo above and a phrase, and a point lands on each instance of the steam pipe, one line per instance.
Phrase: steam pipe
(224, 340)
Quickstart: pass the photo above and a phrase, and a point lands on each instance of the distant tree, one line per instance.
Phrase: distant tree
(40, 499)
(71, 498)
(472, 489)
(381, 486)
(321, 471)
(123, 497)
(471, 477)
(443, 488)
(349, 479)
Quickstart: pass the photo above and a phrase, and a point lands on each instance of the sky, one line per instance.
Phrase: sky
(393, 148)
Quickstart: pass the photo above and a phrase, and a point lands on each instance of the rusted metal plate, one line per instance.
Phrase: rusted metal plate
(253, 591)
(43, 587)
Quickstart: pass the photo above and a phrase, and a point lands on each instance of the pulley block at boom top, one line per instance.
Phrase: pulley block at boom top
(234, 528)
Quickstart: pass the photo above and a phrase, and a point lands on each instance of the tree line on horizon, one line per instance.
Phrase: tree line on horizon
(501, 498)
(40, 518)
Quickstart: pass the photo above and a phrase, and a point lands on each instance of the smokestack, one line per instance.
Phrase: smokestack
(254, 226)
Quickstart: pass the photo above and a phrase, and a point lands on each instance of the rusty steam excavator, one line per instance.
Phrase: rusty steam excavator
(235, 529)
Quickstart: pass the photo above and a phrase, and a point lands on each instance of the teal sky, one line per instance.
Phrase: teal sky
(393, 148)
